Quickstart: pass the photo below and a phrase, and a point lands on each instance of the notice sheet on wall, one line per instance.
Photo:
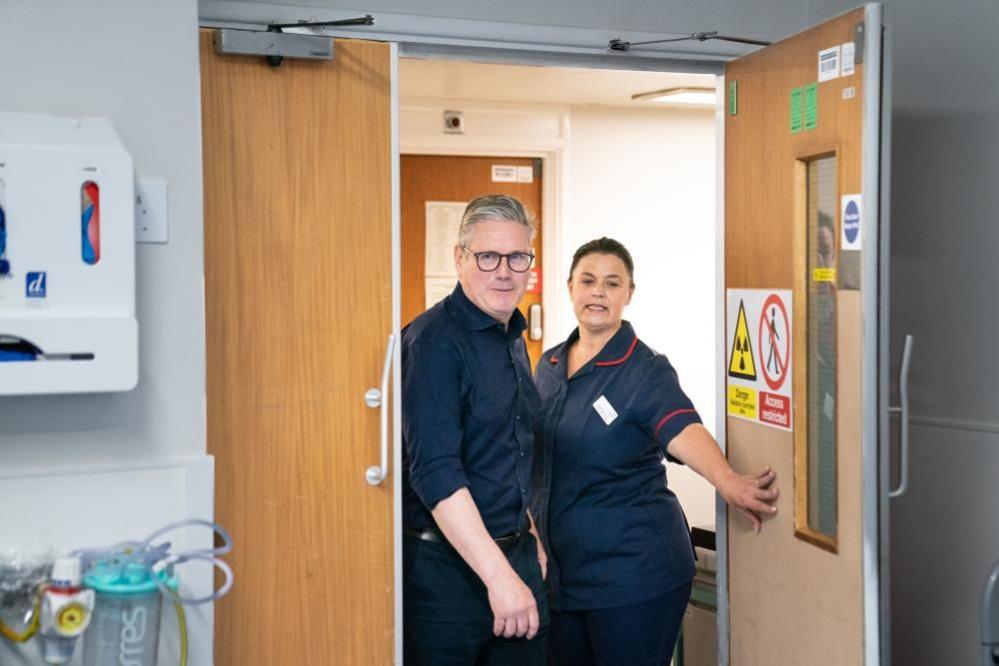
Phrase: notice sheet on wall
(443, 219)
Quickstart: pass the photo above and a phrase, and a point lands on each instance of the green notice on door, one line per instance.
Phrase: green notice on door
(811, 106)
(795, 110)
(733, 98)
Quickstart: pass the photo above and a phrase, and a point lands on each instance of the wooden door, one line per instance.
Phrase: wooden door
(801, 143)
(449, 178)
(298, 229)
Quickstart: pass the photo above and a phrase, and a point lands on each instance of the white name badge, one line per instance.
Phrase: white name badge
(604, 409)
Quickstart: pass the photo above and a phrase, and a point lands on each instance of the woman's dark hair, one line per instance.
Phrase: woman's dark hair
(605, 246)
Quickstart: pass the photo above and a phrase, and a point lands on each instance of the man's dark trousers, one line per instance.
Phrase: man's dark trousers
(448, 621)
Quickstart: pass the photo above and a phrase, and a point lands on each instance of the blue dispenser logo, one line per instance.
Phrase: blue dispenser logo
(34, 284)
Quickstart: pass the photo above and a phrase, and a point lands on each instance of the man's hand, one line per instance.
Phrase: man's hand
(515, 612)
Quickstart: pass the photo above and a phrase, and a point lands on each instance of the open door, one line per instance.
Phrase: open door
(803, 277)
(298, 164)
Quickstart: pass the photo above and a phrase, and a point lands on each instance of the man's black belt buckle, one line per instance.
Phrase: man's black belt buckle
(434, 535)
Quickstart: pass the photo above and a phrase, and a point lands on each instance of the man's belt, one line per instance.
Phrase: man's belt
(434, 535)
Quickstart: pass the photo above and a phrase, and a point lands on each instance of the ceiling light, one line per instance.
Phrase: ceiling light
(693, 96)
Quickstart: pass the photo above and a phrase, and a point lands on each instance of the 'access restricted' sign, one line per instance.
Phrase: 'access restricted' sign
(759, 356)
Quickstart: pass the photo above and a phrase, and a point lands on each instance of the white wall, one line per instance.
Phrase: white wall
(646, 177)
(135, 63)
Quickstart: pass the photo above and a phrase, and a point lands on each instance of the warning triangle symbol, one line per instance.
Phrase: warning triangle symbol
(741, 364)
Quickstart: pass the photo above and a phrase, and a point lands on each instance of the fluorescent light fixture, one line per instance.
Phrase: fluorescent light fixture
(686, 95)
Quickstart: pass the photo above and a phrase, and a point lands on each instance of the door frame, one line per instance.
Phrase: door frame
(443, 38)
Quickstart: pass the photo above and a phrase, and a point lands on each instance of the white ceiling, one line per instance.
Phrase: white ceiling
(550, 85)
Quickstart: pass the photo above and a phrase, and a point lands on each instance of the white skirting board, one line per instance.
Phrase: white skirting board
(59, 510)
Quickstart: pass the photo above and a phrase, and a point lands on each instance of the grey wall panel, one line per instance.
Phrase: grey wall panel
(945, 539)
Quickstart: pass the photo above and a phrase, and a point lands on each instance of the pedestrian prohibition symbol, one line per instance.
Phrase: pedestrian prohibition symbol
(775, 342)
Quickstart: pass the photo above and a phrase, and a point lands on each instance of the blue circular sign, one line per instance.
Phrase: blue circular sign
(851, 222)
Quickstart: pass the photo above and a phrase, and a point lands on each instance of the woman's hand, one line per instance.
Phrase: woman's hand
(752, 496)
(542, 559)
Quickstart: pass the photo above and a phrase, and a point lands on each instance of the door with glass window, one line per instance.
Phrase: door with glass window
(803, 278)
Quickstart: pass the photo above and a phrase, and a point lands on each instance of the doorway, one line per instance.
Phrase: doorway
(603, 164)
(564, 149)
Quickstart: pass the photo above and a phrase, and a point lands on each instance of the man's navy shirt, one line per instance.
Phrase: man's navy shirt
(468, 409)
(614, 533)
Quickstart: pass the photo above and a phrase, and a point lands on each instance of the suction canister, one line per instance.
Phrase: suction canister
(125, 627)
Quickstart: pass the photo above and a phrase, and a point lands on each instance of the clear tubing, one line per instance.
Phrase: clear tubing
(157, 558)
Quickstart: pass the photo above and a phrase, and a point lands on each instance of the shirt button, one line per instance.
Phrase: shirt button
(523, 491)
(518, 418)
(522, 454)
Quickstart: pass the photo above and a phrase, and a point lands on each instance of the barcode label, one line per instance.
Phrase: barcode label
(829, 64)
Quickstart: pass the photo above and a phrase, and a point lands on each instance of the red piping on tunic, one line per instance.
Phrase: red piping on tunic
(621, 360)
(671, 415)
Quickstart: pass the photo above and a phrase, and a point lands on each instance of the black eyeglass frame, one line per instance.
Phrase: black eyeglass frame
(478, 263)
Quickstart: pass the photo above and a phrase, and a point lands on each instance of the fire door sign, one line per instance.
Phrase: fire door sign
(759, 346)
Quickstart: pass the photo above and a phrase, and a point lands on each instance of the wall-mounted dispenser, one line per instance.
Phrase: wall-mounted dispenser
(67, 257)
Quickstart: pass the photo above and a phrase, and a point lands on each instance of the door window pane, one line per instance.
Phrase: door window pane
(822, 408)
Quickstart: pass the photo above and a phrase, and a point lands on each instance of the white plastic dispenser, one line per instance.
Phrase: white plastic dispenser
(67, 257)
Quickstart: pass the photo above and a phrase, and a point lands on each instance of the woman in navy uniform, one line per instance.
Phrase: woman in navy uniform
(620, 560)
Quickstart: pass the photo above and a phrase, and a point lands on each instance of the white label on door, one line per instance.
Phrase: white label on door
(829, 64)
(504, 173)
(525, 174)
(846, 67)
(604, 409)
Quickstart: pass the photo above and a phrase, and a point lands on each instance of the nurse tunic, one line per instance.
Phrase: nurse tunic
(614, 533)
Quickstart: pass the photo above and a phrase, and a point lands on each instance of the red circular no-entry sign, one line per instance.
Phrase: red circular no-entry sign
(774, 339)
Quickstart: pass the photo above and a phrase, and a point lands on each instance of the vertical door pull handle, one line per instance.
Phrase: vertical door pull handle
(903, 411)
(534, 329)
(377, 398)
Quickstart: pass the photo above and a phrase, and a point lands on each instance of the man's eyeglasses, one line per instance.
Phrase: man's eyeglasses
(518, 262)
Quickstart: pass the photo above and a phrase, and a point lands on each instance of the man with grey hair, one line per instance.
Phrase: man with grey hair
(472, 564)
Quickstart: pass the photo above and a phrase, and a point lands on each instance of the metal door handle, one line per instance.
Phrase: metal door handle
(377, 398)
(534, 330)
(903, 411)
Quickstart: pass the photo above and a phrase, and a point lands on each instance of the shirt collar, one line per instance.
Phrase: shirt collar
(620, 348)
(617, 350)
(477, 320)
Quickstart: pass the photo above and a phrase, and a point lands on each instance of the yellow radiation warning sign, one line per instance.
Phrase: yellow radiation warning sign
(742, 401)
(740, 363)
